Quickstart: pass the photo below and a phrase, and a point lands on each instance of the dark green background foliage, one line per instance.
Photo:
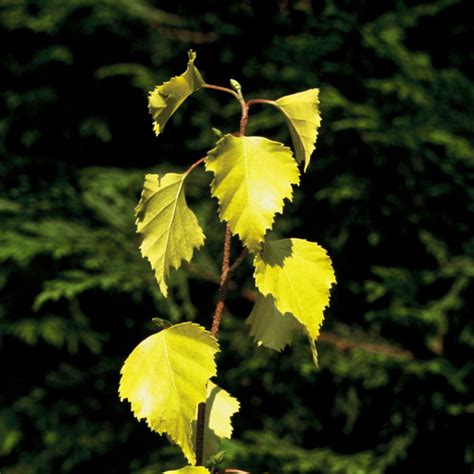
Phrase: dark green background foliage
(390, 195)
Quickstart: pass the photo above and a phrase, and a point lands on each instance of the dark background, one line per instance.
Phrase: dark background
(389, 194)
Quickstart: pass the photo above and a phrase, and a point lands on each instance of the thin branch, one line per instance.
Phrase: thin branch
(195, 164)
(184, 35)
(260, 101)
(238, 261)
(343, 344)
(222, 89)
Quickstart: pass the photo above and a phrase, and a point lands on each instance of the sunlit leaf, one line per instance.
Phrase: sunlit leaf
(165, 378)
(167, 97)
(170, 229)
(189, 470)
(252, 177)
(299, 275)
(301, 112)
(220, 407)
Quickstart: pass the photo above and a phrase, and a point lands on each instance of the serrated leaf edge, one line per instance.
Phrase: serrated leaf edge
(148, 423)
(270, 226)
(288, 311)
(290, 127)
(191, 58)
(162, 283)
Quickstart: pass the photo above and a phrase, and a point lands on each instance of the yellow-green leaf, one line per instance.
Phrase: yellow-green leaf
(220, 407)
(167, 97)
(301, 112)
(269, 327)
(189, 470)
(170, 229)
(165, 378)
(252, 177)
(299, 275)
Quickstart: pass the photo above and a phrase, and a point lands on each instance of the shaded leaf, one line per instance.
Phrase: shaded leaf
(269, 327)
(165, 378)
(252, 177)
(301, 112)
(274, 330)
(165, 99)
(170, 229)
(298, 274)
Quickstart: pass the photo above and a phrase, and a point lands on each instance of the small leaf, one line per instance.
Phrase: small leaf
(299, 275)
(218, 134)
(165, 99)
(165, 378)
(189, 470)
(220, 407)
(170, 229)
(301, 112)
(269, 327)
(252, 177)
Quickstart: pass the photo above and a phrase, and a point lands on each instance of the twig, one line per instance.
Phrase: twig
(222, 89)
(195, 164)
(239, 260)
(260, 101)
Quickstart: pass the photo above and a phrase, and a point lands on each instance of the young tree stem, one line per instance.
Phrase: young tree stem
(224, 285)
(226, 274)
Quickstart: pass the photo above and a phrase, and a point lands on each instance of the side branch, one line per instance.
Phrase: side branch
(238, 261)
(260, 101)
(222, 89)
(195, 164)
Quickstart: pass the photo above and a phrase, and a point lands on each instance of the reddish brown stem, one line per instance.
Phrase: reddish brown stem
(222, 89)
(224, 285)
(195, 164)
(226, 273)
(238, 261)
(244, 119)
(260, 101)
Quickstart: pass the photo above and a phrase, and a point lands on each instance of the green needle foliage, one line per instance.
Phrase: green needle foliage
(389, 193)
